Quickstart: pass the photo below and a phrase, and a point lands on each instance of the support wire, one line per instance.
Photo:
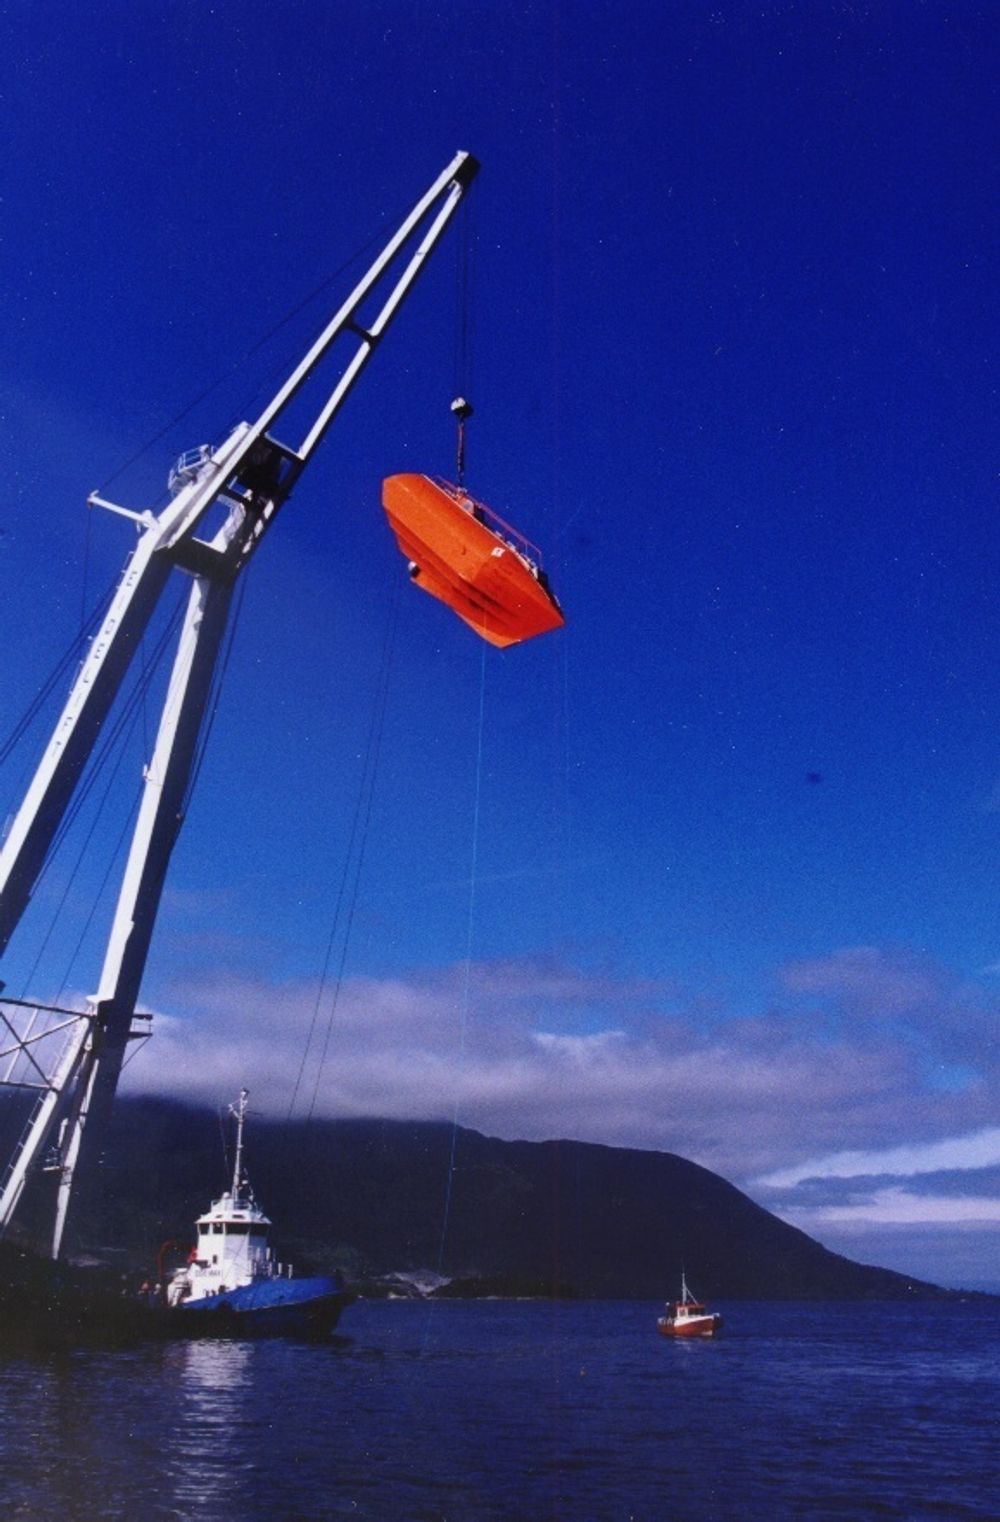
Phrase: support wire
(350, 878)
(469, 938)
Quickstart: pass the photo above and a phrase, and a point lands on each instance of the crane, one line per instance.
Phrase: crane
(244, 482)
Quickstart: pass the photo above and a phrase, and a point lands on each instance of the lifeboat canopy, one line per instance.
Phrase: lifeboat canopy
(462, 553)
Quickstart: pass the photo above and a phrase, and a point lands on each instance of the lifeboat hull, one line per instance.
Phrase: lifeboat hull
(457, 557)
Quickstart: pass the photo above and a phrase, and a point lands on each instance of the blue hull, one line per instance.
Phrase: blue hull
(268, 1307)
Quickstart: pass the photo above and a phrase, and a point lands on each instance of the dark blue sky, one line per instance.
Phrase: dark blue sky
(732, 339)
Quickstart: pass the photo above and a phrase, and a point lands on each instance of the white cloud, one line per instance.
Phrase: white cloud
(979, 1149)
(898, 1207)
(532, 1048)
(870, 981)
(580, 1049)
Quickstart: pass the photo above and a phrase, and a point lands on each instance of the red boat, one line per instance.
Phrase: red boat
(687, 1317)
(463, 554)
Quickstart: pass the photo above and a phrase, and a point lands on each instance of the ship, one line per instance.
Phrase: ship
(232, 1285)
(687, 1317)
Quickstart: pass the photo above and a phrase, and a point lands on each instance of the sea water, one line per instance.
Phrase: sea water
(526, 1410)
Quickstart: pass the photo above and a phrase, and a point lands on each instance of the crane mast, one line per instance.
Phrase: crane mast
(248, 477)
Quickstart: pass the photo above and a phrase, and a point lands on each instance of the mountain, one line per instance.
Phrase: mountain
(372, 1196)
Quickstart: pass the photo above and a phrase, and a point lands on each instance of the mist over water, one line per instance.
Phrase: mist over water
(463, 1412)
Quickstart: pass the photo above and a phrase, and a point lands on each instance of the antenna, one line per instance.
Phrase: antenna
(239, 1110)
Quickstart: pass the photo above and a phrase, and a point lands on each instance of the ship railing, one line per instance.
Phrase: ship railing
(186, 467)
(518, 541)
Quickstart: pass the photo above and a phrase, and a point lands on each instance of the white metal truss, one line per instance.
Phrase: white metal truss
(40, 1048)
(249, 476)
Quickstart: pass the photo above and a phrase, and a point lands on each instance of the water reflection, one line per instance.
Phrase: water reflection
(211, 1442)
(211, 1366)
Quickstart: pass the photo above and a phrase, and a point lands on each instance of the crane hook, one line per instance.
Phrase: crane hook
(463, 411)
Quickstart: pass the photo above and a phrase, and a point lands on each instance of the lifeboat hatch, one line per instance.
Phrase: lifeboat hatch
(466, 556)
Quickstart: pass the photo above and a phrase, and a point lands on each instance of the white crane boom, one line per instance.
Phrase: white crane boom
(251, 475)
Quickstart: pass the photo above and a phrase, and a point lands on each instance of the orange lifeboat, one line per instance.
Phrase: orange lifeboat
(460, 552)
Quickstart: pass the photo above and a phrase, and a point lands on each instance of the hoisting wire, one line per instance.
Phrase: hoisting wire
(469, 940)
(461, 408)
(195, 769)
(71, 878)
(463, 411)
(124, 726)
(351, 877)
(224, 1142)
(57, 673)
(366, 795)
(216, 691)
(135, 1047)
(112, 858)
(124, 721)
(238, 363)
(137, 702)
(85, 573)
(463, 296)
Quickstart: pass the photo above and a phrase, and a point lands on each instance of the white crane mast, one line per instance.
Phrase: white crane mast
(250, 475)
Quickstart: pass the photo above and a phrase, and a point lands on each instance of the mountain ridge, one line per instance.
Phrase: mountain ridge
(380, 1197)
